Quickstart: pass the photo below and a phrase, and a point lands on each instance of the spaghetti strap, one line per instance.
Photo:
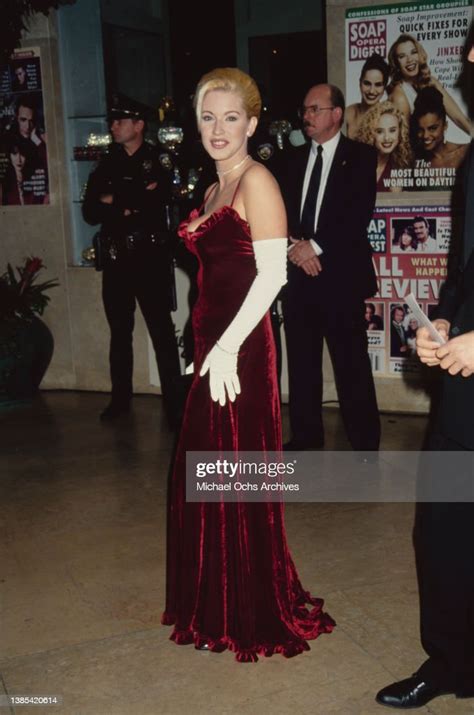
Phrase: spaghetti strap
(206, 198)
(235, 194)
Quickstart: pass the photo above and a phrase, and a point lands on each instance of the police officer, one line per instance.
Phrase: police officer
(129, 195)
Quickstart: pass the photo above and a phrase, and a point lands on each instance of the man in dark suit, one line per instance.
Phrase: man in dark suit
(329, 191)
(444, 532)
(398, 336)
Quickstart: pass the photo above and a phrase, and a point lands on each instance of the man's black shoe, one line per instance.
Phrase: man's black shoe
(465, 692)
(412, 692)
(114, 411)
(295, 445)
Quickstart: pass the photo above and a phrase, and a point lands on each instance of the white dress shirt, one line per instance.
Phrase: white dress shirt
(329, 149)
(428, 246)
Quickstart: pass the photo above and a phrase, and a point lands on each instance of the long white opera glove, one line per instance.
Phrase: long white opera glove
(270, 257)
(223, 376)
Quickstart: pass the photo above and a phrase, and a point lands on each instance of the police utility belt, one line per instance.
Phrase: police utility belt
(108, 249)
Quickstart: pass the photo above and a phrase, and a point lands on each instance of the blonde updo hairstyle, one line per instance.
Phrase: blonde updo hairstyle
(230, 79)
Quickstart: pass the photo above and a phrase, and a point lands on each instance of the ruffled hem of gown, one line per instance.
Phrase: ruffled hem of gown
(308, 624)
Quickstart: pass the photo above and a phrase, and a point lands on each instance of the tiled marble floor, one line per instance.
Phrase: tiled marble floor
(82, 548)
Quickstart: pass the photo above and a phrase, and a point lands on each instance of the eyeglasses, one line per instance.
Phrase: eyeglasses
(311, 109)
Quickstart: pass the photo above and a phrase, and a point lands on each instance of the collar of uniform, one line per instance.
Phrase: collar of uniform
(329, 147)
(121, 149)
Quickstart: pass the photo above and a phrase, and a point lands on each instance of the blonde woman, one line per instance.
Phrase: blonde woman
(231, 581)
(410, 72)
(384, 127)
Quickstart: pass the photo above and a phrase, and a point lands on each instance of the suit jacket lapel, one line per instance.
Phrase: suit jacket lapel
(334, 178)
(301, 174)
(295, 183)
(469, 207)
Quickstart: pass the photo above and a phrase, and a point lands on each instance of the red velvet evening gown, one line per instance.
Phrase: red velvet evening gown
(231, 582)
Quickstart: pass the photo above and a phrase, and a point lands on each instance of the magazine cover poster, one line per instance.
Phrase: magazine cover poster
(402, 65)
(410, 252)
(23, 149)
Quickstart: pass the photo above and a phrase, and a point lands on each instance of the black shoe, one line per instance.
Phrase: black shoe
(114, 411)
(295, 445)
(412, 692)
(465, 692)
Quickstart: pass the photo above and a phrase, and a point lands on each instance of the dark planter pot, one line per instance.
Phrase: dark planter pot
(26, 348)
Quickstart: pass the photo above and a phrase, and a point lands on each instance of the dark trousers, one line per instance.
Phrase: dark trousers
(140, 276)
(308, 319)
(444, 546)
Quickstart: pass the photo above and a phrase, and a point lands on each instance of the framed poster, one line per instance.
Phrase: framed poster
(411, 246)
(402, 65)
(23, 138)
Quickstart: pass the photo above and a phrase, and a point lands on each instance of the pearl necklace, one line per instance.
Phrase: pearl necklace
(236, 166)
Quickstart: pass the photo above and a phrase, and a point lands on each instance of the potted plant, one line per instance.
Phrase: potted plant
(26, 343)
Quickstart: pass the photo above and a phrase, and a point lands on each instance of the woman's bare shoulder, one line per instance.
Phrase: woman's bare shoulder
(453, 147)
(399, 98)
(352, 111)
(261, 202)
(210, 190)
(396, 92)
(257, 176)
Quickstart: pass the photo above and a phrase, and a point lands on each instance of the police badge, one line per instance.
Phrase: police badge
(279, 129)
(165, 161)
(265, 151)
